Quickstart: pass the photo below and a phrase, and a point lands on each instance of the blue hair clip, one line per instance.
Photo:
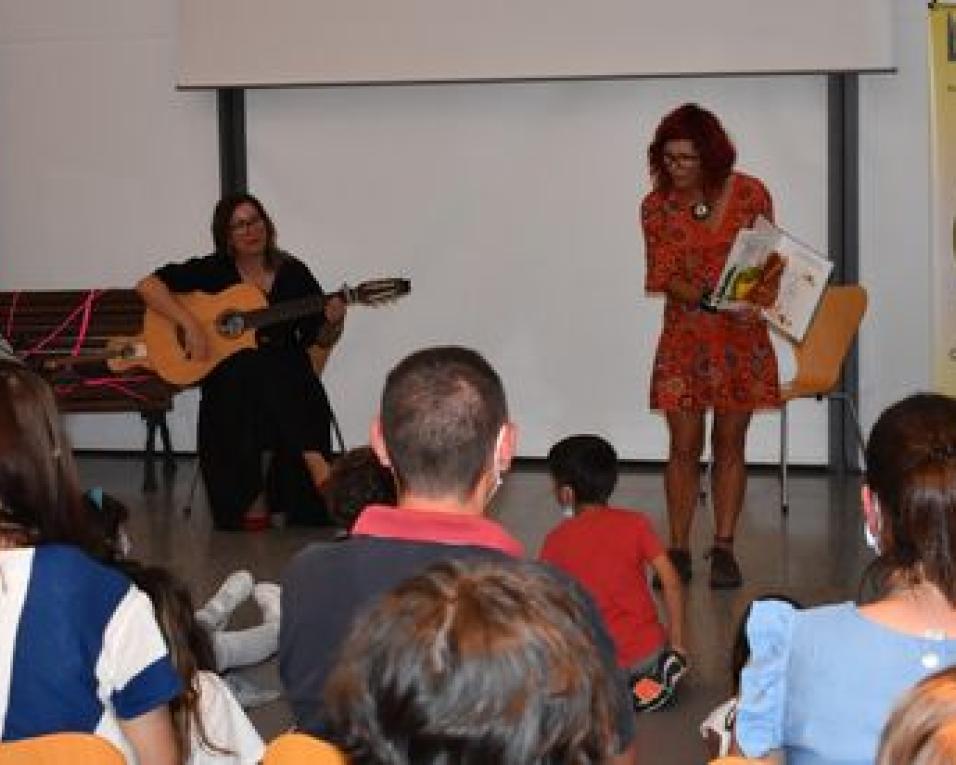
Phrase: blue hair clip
(95, 496)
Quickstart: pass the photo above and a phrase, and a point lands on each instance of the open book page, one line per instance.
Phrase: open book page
(780, 276)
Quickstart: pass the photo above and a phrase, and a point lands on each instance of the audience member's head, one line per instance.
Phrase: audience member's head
(107, 518)
(910, 492)
(39, 491)
(189, 645)
(481, 663)
(922, 728)
(443, 426)
(585, 466)
(358, 479)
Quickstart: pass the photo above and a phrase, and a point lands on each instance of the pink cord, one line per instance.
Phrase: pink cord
(10, 312)
(116, 383)
(85, 307)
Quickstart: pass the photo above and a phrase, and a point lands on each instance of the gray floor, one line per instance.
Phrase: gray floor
(814, 554)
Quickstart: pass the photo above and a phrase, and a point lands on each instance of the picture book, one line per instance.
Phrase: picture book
(771, 271)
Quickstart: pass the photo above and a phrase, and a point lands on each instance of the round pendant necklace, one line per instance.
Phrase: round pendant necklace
(700, 210)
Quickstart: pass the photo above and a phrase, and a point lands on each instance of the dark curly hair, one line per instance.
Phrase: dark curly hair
(357, 480)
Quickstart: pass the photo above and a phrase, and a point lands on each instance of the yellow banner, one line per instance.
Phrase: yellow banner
(942, 30)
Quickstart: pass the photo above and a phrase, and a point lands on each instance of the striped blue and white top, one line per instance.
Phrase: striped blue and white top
(79, 646)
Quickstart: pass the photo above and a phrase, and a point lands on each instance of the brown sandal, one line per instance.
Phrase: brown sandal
(724, 570)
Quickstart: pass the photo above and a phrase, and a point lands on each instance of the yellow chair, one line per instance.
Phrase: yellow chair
(302, 749)
(61, 749)
(820, 360)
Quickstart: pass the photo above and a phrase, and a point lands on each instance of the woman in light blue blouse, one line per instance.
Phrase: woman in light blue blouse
(821, 682)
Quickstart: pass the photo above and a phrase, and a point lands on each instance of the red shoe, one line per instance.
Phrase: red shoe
(255, 522)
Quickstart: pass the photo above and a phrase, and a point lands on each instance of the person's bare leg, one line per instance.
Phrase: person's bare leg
(729, 479)
(682, 475)
(728, 486)
(257, 513)
(317, 466)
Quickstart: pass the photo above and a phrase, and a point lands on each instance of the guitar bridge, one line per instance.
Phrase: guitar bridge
(230, 324)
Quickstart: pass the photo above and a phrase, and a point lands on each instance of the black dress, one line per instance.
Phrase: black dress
(267, 399)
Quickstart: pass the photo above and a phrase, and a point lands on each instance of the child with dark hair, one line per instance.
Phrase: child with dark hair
(107, 521)
(79, 644)
(609, 550)
(358, 479)
(231, 649)
(717, 729)
(211, 727)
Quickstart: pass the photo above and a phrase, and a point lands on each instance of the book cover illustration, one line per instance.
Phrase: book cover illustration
(769, 270)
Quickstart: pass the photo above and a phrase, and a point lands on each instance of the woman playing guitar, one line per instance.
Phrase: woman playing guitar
(269, 398)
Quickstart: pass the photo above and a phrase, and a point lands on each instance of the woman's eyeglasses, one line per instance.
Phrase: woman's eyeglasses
(243, 224)
(681, 159)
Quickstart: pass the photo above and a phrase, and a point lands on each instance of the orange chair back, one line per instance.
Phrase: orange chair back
(61, 749)
(829, 337)
(302, 749)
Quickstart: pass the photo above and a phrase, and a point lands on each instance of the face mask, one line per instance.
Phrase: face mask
(871, 539)
(871, 506)
(496, 470)
(123, 544)
(567, 510)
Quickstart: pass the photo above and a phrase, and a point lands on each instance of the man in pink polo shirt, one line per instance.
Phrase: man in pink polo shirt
(443, 430)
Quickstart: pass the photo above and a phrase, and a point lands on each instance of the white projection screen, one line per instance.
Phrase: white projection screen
(306, 42)
(511, 207)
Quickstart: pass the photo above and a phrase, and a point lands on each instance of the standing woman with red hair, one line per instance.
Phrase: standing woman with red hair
(705, 360)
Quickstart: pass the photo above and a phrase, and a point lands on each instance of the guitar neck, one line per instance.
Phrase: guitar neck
(290, 310)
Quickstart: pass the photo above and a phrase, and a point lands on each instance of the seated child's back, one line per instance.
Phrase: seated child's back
(608, 550)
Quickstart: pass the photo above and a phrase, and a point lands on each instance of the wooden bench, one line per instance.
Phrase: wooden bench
(68, 337)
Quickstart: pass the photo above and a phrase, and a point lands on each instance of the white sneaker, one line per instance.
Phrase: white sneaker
(235, 590)
(268, 595)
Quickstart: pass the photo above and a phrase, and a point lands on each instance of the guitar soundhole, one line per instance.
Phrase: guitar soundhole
(230, 324)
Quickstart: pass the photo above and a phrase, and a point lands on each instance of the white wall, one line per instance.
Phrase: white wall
(309, 42)
(105, 169)
(896, 354)
(511, 207)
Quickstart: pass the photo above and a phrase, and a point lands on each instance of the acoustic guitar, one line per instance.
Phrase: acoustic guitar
(121, 354)
(231, 318)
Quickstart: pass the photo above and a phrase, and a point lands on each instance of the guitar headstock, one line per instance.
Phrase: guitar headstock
(377, 291)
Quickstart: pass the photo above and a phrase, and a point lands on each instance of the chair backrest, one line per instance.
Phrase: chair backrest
(61, 749)
(732, 760)
(302, 749)
(829, 337)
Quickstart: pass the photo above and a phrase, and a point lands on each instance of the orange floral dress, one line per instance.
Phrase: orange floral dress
(706, 360)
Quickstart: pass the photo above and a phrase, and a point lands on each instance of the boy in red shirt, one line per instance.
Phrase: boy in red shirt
(608, 550)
